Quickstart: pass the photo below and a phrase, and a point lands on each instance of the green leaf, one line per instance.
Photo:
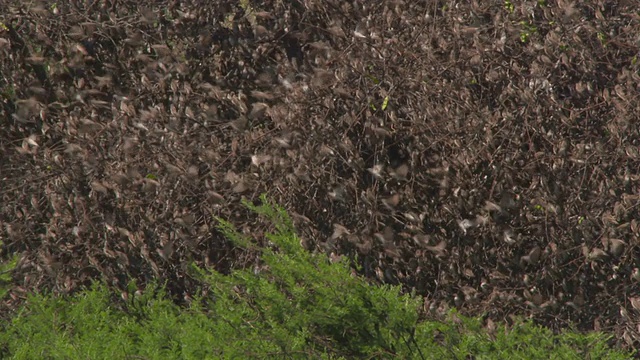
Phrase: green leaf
(385, 103)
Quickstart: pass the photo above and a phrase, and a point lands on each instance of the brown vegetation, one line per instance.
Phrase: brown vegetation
(485, 154)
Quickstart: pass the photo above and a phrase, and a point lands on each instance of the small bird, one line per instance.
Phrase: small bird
(240, 123)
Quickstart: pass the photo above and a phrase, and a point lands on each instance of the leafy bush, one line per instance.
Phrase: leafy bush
(6, 268)
(298, 306)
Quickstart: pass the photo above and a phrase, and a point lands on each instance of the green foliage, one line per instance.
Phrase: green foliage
(88, 326)
(304, 303)
(8, 92)
(6, 268)
(298, 306)
(508, 5)
(522, 341)
(528, 29)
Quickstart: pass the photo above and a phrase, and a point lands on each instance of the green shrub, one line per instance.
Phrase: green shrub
(305, 304)
(300, 306)
(6, 268)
